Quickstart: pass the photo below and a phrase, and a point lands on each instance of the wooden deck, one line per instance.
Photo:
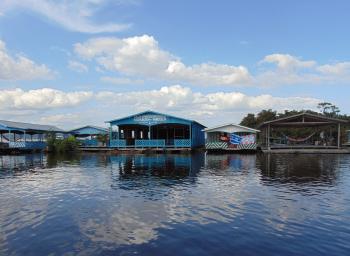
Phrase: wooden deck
(136, 150)
(307, 151)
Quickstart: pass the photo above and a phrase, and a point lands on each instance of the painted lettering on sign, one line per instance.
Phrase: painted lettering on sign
(150, 119)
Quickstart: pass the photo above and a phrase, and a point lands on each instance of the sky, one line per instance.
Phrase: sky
(74, 63)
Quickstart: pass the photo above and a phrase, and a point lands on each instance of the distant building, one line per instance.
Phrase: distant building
(231, 137)
(151, 129)
(24, 136)
(88, 134)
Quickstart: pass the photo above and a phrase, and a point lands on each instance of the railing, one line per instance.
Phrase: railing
(28, 144)
(89, 143)
(150, 143)
(117, 143)
(182, 143)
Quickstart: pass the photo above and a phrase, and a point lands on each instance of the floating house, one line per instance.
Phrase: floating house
(24, 136)
(151, 129)
(320, 132)
(231, 137)
(87, 135)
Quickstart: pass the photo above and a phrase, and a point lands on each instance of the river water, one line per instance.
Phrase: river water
(97, 204)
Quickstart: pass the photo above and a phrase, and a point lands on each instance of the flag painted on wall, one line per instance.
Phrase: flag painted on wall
(239, 140)
(248, 139)
(235, 139)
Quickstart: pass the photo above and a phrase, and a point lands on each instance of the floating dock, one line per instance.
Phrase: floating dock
(307, 151)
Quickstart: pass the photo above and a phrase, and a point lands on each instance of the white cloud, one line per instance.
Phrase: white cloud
(218, 105)
(291, 70)
(142, 56)
(20, 67)
(341, 68)
(65, 109)
(62, 119)
(72, 15)
(45, 98)
(121, 80)
(208, 73)
(77, 66)
(286, 61)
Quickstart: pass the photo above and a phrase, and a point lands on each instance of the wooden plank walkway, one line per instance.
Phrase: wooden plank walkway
(308, 151)
(136, 150)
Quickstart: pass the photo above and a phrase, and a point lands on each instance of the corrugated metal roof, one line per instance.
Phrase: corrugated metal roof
(153, 112)
(318, 116)
(90, 126)
(28, 126)
(244, 128)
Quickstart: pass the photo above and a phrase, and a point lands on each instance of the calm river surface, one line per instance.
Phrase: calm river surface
(93, 204)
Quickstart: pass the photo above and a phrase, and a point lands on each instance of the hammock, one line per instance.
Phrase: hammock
(299, 139)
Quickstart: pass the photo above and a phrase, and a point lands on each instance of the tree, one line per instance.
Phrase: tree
(328, 109)
(51, 141)
(266, 115)
(61, 145)
(249, 121)
(103, 138)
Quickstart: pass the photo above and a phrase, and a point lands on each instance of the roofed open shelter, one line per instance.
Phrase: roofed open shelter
(303, 131)
(24, 136)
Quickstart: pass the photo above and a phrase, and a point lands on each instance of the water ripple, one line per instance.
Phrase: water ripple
(196, 204)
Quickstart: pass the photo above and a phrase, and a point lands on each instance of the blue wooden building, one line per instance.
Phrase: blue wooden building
(87, 135)
(24, 136)
(151, 129)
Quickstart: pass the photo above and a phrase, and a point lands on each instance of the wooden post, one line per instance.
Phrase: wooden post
(190, 127)
(339, 135)
(268, 137)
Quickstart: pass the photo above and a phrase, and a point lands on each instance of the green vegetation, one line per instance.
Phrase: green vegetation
(325, 108)
(103, 138)
(61, 145)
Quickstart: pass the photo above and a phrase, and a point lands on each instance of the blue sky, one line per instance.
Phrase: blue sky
(73, 63)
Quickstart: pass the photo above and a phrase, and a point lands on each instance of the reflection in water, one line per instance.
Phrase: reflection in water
(21, 162)
(233, 161)
(160, 204)
(308, 168)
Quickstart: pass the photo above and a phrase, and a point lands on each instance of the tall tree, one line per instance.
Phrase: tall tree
(249, 121)
(266, 115)
(328, 109)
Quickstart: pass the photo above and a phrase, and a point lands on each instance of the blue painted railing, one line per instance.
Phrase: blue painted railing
(117, 143)
(149, 143)
(182, 143)
(89, 143)
(27, 145)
